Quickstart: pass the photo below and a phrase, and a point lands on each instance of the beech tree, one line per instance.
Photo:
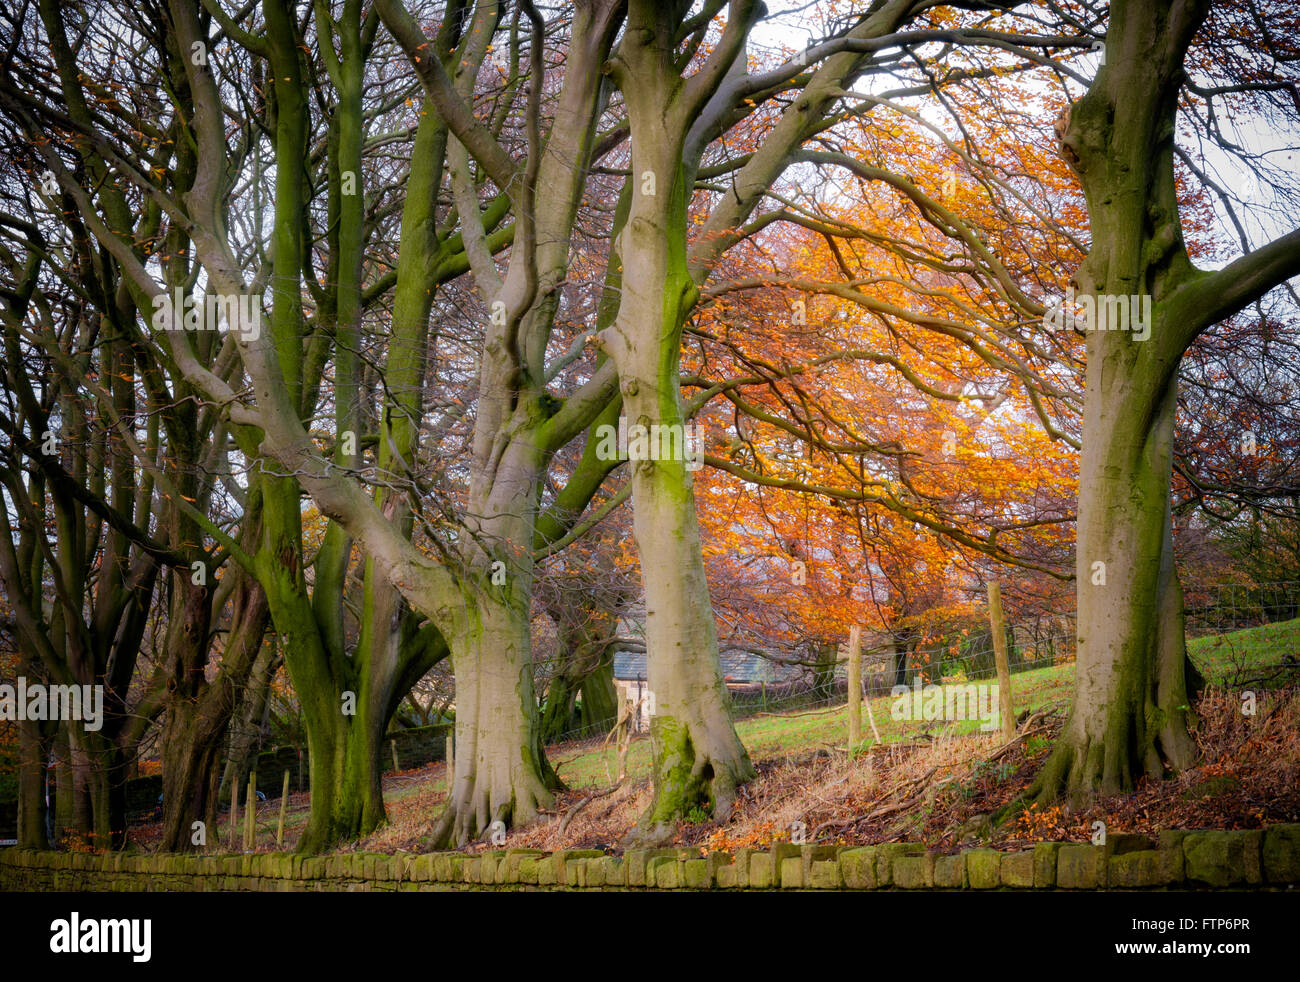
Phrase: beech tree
(1132, 712)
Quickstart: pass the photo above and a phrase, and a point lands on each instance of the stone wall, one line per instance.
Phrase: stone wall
(1265, 859)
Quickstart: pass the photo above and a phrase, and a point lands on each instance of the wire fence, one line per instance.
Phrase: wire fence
(1222, 607)
(968, 656)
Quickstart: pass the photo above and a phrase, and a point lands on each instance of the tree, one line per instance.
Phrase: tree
(1131, 710)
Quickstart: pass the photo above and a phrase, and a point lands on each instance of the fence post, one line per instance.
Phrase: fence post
(855, 689)
(234, 814)
(250, 813)
(450, 748)
(1000, 657)
(284, 804)
(396, 766)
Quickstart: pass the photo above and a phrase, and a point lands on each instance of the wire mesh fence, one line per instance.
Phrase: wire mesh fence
(1221, 607)
(1032, 644)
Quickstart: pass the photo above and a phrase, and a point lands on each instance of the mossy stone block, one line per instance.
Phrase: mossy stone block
(1172, 862)
(858, 868)
(613, 871)
(545, 872)
(1281, 854)
(1123, 843)
(697, 873)
(661, 872)
(1134, 870)
(913, 872)
(887, 853)
(1216, 859)
(1080, 867)
(1045, 857)
(791, 872)
(514, 864)
(635, 860)
(824, 875)
(760, 870)
(1017, 869)
(525, 870)
(950, 872)
(983, 869)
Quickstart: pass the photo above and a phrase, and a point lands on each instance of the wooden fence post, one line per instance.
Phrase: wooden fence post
(855, 689)
(284, 804)
(450, 748)
(1000, 656)
(250, 813)
(234, 814)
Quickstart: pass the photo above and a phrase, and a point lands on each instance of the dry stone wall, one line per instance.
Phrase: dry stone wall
(1263, 858)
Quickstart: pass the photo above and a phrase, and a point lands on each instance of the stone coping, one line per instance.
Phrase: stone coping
(1260, 858)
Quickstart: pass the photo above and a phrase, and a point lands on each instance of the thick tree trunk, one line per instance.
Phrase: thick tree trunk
(245, 727)
(824, 673)
(557, 720)
(104, 767)
(587, 669)
(63, 783)
(191, 749)
(195, 730)
(699, 760)
(345, 766)
(499, 770)
(194, 726)
(33, 751)
(599, 697)
(1131, 712)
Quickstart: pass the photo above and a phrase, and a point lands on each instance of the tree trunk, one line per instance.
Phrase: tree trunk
(192, 731)
(245, 727)
(33, 751)
(699, 760)
(900, 662)
(600, 697)
(824, 673)
(499, 769)
(191, 748)
(195, 730)
(558, 711)
(1131, 712)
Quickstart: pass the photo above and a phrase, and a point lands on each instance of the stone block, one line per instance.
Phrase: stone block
(1017, 869)
(983, 868)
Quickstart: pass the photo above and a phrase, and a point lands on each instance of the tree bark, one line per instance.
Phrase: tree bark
(33, 751)
(1131, 712)
(499, 770)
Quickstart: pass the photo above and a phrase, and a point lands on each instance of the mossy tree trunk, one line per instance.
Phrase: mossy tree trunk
(500, 775)
(198, 718)
(699, 760)
(1131, 713)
